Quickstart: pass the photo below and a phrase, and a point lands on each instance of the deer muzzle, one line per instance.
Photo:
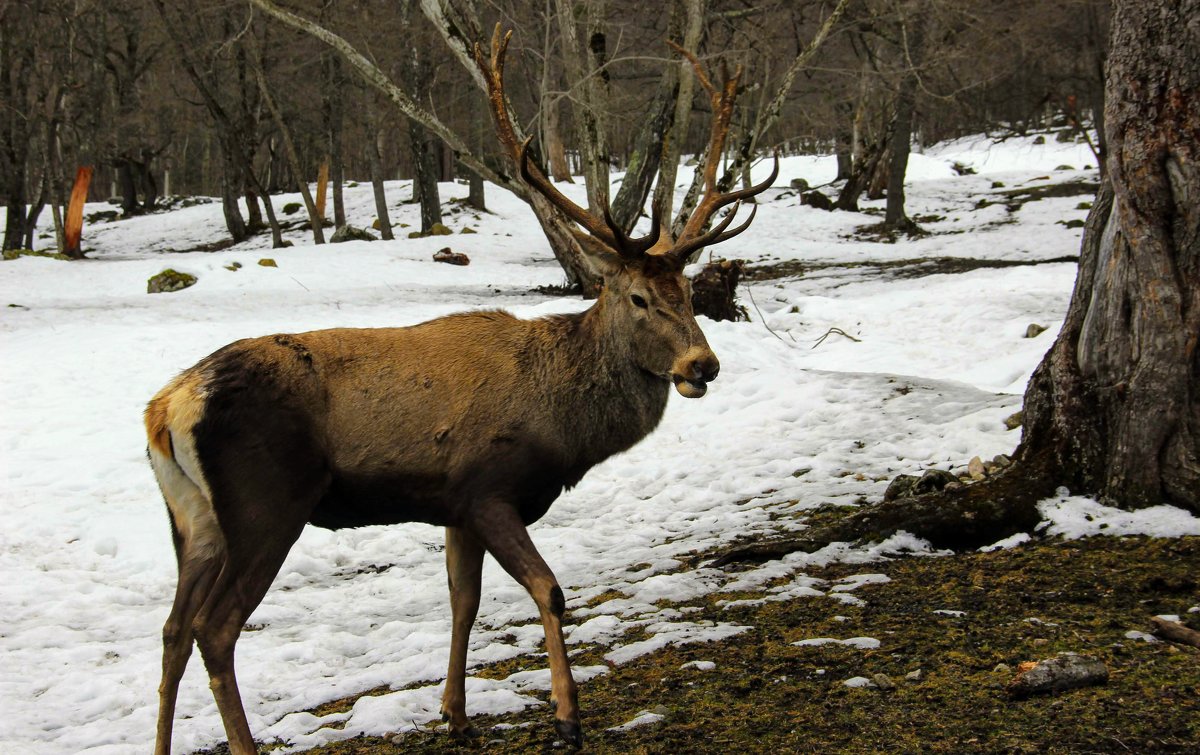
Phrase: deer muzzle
(694, 370)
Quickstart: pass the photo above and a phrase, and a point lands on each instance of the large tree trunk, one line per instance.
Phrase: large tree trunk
(902, 125)
(1117, 398)
(1113, 410)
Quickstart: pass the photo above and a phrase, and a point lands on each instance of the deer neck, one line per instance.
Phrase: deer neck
(609, 393)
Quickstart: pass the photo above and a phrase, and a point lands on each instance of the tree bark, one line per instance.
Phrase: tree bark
(1113, 410)
(1117, 398)
(911, 52)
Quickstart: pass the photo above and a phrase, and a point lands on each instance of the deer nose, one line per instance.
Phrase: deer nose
(694, 370)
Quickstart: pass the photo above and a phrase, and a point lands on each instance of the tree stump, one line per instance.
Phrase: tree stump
(714, 291)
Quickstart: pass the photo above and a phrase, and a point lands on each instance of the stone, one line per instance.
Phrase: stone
(169, 281)
(350, 233)
(900, 487)
(817, 200)
(450, 257)
(976, 469)
(267, 262)
(1000, 461)
(468, 229)
(914, 676)
(1039, 139)
(799, 184)
(291, 208)
(437, 229)
(1067, 671)
(1014, 420)
(1034, 330)
(883, 681)
(933, 480)
(1073, 223)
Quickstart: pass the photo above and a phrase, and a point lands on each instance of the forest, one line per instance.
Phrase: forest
(778, 376)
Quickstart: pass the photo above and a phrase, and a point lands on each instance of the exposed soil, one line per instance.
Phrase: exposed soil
(894, 269)
(768, 695)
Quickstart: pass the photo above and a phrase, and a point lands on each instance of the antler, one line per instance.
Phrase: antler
(692, 237)
(605, 229)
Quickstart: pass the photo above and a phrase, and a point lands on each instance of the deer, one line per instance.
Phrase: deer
(475, 422)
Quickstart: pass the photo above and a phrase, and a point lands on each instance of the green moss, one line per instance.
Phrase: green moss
(766, 694)
(169, 281)
(12, 254)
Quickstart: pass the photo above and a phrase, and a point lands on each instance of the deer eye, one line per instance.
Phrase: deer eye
(638, 301)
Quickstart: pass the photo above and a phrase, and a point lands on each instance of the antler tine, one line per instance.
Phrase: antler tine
(750, 191)
(535, 178)
(715, 235)
(633, 248)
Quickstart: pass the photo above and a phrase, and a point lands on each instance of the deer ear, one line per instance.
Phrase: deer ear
(608, 265)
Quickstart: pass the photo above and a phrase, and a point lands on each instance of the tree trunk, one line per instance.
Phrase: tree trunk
(375, 163)
(912, 52)
(333, 124)
(1113, 410)
(425, 175)
(1117, 398)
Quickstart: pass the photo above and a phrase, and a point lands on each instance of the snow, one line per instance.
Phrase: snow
(862, 643)
(1072, 517)
(86, 565)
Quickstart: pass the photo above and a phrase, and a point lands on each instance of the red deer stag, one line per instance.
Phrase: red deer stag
(475, 422)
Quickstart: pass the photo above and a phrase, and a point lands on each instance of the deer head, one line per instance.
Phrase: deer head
(646, 297)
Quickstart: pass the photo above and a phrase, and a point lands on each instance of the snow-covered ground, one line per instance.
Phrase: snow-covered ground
(86, 568)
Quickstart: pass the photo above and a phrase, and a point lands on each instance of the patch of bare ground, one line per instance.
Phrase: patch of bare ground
(1031, 603)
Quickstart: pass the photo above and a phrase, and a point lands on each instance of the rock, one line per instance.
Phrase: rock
(439, 230)
(105, 216)
(997, 184)
(799, 184)
(350, 233)
(468, 229)
(883, 681)
(267, 262)
(1039, 139)
(817, 200)
(234, 266)
(415, 234)
(914, 676)
(975, 469)
(900, 487)
(1064, 136)
(1083, 206)
(1065, 167)
(451, 258)
(1014, 420)
(1001, 668)
(1034, 330)
(375, 224)
(1067, 671)
(168, 281)
(291, 208)
(933, 480)
(714, 291)
(1073, 223)
(1000, 461)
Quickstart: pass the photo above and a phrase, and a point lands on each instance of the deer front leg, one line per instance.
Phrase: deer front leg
(502, 532)
(464, 563)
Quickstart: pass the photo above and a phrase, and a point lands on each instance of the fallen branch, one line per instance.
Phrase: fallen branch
(1175, 632)
(836, 332)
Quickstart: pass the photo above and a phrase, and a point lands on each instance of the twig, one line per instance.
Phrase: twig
(835, 331)
(1175, 632)
(750, 294)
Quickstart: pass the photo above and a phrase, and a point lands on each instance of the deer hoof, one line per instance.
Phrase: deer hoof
(570, 731)
(467, 732)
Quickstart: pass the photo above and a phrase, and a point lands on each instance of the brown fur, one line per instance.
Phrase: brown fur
(474, 421)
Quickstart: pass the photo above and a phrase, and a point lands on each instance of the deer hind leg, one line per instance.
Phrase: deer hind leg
(464, 565)
(503, 533)
(244, 579)
(199, 550)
